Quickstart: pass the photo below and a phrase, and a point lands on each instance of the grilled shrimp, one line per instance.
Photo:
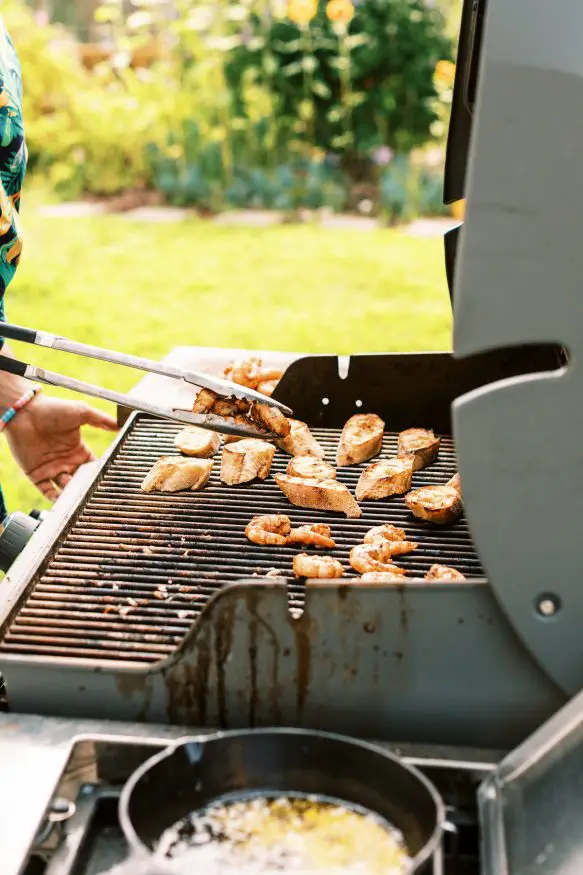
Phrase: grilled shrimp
(371, 557)
(316, 535)
(245, 372)
(269, 530)
(393, 539)
(316, 566)
(380, 534)
(383, 576)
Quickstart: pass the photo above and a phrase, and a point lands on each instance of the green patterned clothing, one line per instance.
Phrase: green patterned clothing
(12, 168)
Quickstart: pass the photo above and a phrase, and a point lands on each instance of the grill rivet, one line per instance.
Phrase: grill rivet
(547, 605)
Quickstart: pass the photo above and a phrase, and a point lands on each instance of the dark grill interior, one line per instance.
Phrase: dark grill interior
(135, 570)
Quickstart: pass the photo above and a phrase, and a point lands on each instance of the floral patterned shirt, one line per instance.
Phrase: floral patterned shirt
(12, 170)
(12, 161)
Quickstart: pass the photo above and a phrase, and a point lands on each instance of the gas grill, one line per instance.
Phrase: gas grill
(130, 620)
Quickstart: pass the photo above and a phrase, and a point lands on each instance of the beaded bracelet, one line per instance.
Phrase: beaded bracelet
(25, 399)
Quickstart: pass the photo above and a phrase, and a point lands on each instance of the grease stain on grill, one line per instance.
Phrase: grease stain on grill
(123, 544)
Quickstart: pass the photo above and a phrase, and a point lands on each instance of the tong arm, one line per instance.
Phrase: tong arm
(216, 384)
(207, 420)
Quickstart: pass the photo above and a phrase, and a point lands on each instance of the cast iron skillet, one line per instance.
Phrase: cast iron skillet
(198, 770)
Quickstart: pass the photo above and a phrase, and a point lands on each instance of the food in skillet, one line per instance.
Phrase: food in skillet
(175, 473)
(436, 504)
(311, 468)
(300, 441)
(361, 438)
(443, 572)
(456, 483)
(421, 443)
(306, 565)
(314, 535)
(198, 442)
(373, 557)
(318, 494)
(246, 460)
(385, 478)
(269, 530)
(392, 538)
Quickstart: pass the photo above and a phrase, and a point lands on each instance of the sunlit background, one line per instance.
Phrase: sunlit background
(253, 173)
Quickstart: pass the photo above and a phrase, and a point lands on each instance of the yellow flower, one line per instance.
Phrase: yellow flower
(445, 73)
(340, 11)
(302, 11)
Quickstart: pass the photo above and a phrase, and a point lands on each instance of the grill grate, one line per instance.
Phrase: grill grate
(135, 570)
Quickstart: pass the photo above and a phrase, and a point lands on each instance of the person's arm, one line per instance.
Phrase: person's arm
(45, 436)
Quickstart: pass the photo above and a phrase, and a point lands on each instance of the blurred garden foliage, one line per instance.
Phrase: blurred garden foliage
(286, 104)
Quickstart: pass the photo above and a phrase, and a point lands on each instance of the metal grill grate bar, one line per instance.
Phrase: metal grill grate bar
(134, 571)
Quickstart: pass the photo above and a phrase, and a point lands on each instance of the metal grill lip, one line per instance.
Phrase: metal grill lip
(94, 600)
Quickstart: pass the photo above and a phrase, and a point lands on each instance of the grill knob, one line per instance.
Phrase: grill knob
(17, 531)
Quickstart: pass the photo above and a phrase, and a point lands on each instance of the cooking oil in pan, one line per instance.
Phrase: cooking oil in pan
(259, 834)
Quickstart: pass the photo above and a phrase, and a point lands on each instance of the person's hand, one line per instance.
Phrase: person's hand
(45, 439)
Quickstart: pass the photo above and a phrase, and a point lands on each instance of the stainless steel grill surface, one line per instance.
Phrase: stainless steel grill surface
(134, 571)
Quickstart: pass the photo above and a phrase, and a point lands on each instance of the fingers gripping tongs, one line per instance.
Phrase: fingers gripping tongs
(221, 387)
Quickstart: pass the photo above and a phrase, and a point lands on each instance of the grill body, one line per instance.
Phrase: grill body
(145, 607)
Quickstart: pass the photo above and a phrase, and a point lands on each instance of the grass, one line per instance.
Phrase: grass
(145, 288)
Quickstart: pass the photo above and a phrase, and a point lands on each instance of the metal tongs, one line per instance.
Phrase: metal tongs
(211, 421)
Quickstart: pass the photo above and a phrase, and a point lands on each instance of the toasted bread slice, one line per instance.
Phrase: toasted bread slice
(443, 572)
(310, 566)
(318, 494)
(361, 439)
(437, 504)
(456, 483)
(311, 468)
(300, 441)
(246, 460)
(385, 478)
(422, 444)
(174, 473)
(198, 442)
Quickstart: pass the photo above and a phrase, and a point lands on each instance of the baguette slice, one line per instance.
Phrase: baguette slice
(198, 442)
(437, 504)
(174, 473)
(311, 468)
(245, 460)
(361, 439)
(444, 572)
(318, 494)
(421, 443)
(384, 478)
(300, 441)
(456, 483)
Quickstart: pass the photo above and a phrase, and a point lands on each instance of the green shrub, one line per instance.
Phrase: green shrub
(353, 92)
(86, 132)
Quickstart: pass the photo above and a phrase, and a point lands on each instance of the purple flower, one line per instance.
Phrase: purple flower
(383, 156)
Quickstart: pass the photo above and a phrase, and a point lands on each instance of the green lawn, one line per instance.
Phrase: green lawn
(145, 288)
